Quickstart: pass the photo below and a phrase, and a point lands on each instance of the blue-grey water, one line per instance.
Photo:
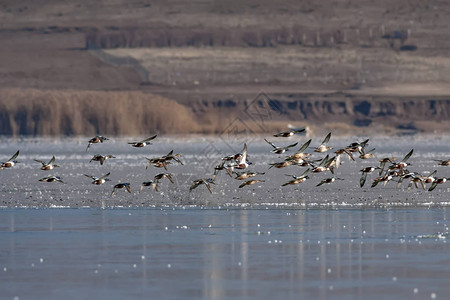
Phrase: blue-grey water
(195, 253)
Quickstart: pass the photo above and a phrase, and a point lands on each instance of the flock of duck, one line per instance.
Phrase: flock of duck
(394, 171)
(237, 165)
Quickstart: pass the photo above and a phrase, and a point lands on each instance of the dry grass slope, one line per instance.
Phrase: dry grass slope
(51, 112)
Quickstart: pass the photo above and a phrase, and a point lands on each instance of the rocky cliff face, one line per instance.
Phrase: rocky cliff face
(232, 37)
(412, 114)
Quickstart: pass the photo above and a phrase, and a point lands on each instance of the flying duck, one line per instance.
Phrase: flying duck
(300, 154)
(328, 180)
(120, 186)
(340, 152)
(142, 143)
(436, 182)
(297, 179)
(282, 164)
(221, 167)
(171, 156)
(289, 133)
(384, 179)
(364, 172)
(280, 150)
(323, 147)
(11, 162)
(152, 184)
(383, 162)
(160, 176)
(402, 164)
(199, 182)
(158, 162)
(51, 179)
(101, 158)
(250, 182)
(47, 166)
(99, 180)
(430, 178)
(415, 180)
(324, 165)
(368, 154)
(95, 140)
(246, 175)
(357, 147)
(241, 159)
(443, 162)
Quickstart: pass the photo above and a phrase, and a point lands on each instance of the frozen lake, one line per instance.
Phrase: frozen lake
(176, 253)
(20, 185)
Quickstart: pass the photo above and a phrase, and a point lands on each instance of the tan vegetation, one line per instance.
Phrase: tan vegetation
(53, 112)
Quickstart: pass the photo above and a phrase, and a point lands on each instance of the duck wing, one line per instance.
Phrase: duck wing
(422, 183)
(407, 156)
(329, 161)
(324, 161)
(106, 175)
(306, 172)
(382, 165)
(376, 181)
(290, 146)
(371, 150)
(92, 177)
(14, 156)
(207, 185)
(338, 160)
(244, 184)
(195, 184)
(40, 161)
(433, 185)
(326, 139)
(169, 176)
(362, 180)
(349, 153)
(149, 139)
(304, 146)
(271, 144)
(322, 182)
(244, 154)
(364, 143)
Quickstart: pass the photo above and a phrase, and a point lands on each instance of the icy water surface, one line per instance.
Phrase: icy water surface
(20, 185)
(369, 253)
